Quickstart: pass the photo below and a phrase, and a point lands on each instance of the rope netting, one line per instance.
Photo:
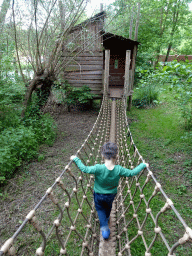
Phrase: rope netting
(65, 221)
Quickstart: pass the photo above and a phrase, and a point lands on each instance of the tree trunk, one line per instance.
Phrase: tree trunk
(42, 85)
(62, 15)
(168, 51)
(175, 20)
(157, 56)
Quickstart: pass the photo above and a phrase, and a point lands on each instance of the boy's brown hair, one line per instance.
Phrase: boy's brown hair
(109, 150)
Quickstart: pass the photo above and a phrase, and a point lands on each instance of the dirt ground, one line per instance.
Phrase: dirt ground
(30, 183)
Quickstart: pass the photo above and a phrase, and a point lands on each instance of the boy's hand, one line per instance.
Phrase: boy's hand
(147, 165)
(72, 157)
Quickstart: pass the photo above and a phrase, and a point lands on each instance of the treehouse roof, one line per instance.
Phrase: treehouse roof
(110, 40)
(98, 17)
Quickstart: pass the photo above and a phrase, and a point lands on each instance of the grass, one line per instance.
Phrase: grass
(164, 143)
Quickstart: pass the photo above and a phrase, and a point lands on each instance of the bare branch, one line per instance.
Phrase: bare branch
(16, 45)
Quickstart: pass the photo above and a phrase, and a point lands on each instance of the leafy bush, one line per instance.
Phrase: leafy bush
(10, 91)
(145, 96)
(144, 66)
(20, 138)
(178, 77)
(72, 96)
(186, 109)
(43, 127)
(9, 117)
(21, 143)
(17, 144)
(147, 93)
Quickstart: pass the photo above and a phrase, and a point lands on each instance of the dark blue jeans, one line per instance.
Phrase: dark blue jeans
(103, 205)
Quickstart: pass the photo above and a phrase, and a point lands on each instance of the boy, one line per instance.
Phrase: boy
(107, 178)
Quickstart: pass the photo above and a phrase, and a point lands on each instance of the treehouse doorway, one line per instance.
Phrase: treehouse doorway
(116, 75)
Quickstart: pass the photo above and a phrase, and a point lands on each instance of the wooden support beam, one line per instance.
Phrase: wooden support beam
(127, 73)
(132, 77)
(106, 72)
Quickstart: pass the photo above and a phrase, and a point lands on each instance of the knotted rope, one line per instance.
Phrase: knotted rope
(144, 213)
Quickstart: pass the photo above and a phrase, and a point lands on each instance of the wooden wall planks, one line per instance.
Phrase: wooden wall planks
(86, 69)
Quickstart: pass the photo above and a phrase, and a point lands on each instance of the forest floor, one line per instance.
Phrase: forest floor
(31, 181)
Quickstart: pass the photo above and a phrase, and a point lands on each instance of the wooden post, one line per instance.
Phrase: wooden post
(132, 77)
(127, 78)
(106, 72)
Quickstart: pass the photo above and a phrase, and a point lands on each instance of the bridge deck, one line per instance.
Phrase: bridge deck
(115, 92)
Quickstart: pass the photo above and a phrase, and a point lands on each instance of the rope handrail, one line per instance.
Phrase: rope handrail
(74, 218)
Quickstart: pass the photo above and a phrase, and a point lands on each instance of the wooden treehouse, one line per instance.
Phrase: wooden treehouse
(103, 61)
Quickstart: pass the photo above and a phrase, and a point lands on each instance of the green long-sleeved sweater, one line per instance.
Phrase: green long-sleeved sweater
(106, 181)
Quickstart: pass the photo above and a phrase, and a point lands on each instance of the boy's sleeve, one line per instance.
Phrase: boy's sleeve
(129, 173)
(83, 168)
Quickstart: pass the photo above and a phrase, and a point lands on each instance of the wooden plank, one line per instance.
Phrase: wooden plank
(89, 58)
(95, 72)
(83, 67)
(91, 53)
(86, 62)
(84, 54)
(85, 81)
(86, 65)
(115, 79)
(96, 87)
(90, 62)
(84, 77)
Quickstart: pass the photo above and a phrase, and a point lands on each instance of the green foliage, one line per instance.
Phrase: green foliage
(17, 144)
(20, 138)
(41, 157)
(174, 76)
(158, 25)
(146, 93)
(72, 96)
(75, 95)
(178, 77)
(10, 91)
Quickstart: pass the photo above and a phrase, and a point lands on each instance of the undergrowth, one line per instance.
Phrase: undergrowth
(20, 137)
(175, 77)
(72, 96)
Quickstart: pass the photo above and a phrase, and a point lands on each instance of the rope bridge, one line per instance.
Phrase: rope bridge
(65, 222)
